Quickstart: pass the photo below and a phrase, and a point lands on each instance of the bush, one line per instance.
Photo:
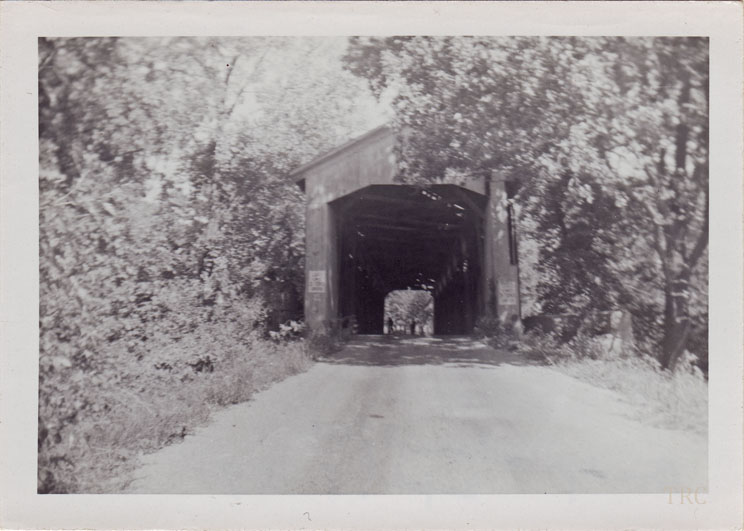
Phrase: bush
(289, 330)
(553, 348)
(538, 346)
(563, 326)
(585, 346)
(676, 400)
(487, 326)
(149, 386)
(497, 334)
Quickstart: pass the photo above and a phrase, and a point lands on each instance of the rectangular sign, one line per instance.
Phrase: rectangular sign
(507, 293)
(316, 282)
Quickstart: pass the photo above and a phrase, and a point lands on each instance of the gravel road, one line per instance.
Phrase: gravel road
(427, 416)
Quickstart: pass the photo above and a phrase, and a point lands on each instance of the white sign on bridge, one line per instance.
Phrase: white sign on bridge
(317, 282)
(507, 292)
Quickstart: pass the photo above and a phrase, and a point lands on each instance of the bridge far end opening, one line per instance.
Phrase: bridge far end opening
(409, 312)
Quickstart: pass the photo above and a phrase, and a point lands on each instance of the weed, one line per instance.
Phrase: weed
(155, 403)
(675, 400)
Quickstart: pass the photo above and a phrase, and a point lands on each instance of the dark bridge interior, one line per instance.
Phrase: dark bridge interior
(397, 237)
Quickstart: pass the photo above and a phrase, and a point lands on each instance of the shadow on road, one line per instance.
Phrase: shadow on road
(452, 351)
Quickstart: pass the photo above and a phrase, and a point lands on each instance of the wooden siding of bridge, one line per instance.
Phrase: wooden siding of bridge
(369, 161)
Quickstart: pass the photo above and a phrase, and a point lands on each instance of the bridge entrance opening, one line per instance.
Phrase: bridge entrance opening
(368, 234)
(409, 312)
(403, 237)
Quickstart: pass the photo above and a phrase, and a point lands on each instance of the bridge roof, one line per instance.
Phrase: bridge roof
(298, 174)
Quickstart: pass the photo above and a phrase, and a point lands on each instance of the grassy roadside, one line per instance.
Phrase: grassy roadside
(665, 399)
(677, 401)
(140, 411)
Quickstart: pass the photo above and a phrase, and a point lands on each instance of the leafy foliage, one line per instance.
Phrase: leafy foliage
(607, 139)
(171, 241)
(407, 306)
(673, 400)
(497, 333)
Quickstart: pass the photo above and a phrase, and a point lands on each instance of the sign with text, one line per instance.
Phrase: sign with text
(317, 282)
(507, 292)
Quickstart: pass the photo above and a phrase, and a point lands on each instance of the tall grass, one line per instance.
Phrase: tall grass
(662, 398)
(159, 402)
(674, 400)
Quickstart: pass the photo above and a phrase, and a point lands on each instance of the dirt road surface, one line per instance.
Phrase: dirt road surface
(427, 416)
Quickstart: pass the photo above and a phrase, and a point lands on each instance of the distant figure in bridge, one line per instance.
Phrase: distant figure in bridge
(413, 327)
(390, 325)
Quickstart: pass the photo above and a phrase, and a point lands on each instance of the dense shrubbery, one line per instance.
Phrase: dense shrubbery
(171, 240)
(499, 335)
(143, 379)
(126, 406)
(676, 400)
(488, 326)
(136, 341)
(605, 140)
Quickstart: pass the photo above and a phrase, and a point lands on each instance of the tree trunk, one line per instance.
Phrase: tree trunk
(676, 321)
(677, 288)
(675, 341)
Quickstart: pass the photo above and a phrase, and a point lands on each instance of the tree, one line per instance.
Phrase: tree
(607, 137)
(166, 217)
(407, 306)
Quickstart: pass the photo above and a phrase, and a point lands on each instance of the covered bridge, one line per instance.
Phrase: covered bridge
(367, 235)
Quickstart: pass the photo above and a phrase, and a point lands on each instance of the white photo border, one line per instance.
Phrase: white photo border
(21, 23)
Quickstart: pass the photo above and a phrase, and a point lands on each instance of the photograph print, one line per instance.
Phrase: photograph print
(373, 265)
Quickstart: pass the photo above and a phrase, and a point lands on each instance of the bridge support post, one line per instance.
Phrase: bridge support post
(321, 266)
(501, 271)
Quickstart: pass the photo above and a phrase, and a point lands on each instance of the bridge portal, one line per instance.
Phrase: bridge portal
(367, 235)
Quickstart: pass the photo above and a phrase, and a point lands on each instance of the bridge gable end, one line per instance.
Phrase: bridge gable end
(366, 234)
(361, 162)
